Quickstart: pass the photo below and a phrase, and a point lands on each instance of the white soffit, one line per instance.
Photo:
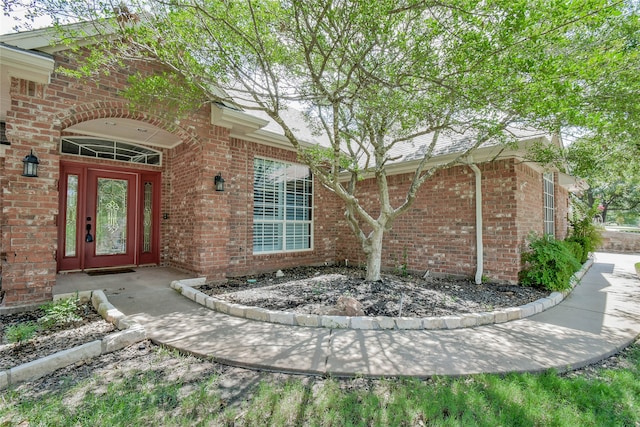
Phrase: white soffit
(24, 65)
(126, 130)
(50, 40)
(572, 183)
(256, 126)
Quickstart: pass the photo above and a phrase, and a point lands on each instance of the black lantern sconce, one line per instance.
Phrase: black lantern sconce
(30, 165)
(219, 182)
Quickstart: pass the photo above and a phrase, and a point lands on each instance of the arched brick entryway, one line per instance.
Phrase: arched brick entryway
(110, 209)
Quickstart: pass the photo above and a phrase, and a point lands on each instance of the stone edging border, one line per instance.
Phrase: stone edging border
(129, 333)
(187, 288)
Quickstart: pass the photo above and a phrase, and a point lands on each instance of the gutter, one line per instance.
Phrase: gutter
(483, 154)
(479, 244)
(24, 64)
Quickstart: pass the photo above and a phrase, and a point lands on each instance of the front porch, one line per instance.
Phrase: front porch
(145, 287)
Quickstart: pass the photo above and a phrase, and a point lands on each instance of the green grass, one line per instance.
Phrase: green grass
(608, 397)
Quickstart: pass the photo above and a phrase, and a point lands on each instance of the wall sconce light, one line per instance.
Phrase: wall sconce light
(219, 182)
(30, 165)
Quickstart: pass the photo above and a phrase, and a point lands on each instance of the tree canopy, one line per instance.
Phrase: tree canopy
(375, 76)
(607, 150)
(612, 170)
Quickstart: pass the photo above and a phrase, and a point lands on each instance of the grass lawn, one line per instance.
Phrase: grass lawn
(601, 397)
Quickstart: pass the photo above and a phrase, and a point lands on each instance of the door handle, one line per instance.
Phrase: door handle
(88, 238)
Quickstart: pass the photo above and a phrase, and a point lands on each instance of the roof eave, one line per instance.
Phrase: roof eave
(26, 65)
(572, 183)
(480, 155)
(50, 40)
(249, 128)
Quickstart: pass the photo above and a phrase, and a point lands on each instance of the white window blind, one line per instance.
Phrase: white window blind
(549, 205)
(282, 206)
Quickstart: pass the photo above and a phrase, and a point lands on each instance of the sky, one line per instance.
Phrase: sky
(8, 22)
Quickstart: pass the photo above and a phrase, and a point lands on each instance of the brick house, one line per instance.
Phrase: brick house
(117, 187)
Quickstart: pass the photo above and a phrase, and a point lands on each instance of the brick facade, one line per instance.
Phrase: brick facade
(30, 205)
(438, 233)
(210, 233)
(205, 232)
(240, 190)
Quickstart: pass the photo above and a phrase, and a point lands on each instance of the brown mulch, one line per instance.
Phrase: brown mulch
(315, 290)
(49, 341)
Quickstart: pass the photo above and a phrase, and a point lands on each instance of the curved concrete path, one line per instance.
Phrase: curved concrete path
(600, 317)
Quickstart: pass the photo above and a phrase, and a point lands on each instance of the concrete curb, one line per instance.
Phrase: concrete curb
(188, 289)
(129, 333)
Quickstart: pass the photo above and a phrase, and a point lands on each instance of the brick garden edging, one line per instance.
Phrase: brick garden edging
(188, 289)
(129, 333)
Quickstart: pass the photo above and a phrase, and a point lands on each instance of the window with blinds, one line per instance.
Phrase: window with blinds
(282, 207)
(549, 205)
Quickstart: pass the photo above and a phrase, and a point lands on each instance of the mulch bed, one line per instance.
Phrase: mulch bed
(315, 290)
(46, 342)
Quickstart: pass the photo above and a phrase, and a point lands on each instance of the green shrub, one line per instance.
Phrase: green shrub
(581, 254)
(577, 250)
(583, 230)
(21, 332)
(59, 312)
(549, 264)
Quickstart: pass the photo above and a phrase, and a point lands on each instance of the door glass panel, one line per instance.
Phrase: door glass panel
(111, 217)
(146, 232)
(71, 215)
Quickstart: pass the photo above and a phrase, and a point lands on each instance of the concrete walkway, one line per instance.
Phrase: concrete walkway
(600, 317)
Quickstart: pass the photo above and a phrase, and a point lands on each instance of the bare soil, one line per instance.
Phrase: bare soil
(49, 341)
(315, 290)
(235, 386)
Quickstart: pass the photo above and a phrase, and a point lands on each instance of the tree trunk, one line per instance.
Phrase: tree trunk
(374, 255)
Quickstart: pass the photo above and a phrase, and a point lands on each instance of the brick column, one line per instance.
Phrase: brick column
(29, 207)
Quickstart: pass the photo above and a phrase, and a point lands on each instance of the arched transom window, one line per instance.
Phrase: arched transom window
(100, 148)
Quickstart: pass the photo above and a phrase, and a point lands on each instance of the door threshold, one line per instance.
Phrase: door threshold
(69, 271)
(97, 269)
(108, 271)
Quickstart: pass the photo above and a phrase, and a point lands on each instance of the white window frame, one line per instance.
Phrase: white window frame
(108, 149)
(281, 210)
(549, 204)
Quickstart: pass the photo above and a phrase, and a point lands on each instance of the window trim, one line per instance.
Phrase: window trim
(284, 221)
(549, 203)
(118, 148)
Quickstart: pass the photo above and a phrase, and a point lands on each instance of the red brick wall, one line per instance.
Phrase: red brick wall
(210, 233)
(438, 232)
(500, 190)
(199, 215)
(29, 205)
(562, 210)
(196, 234)
(239, 188)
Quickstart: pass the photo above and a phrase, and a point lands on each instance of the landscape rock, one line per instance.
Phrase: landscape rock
(347, 306)
(316, 290)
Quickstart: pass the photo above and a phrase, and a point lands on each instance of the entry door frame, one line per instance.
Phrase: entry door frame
(141, 254)
(128, 257)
